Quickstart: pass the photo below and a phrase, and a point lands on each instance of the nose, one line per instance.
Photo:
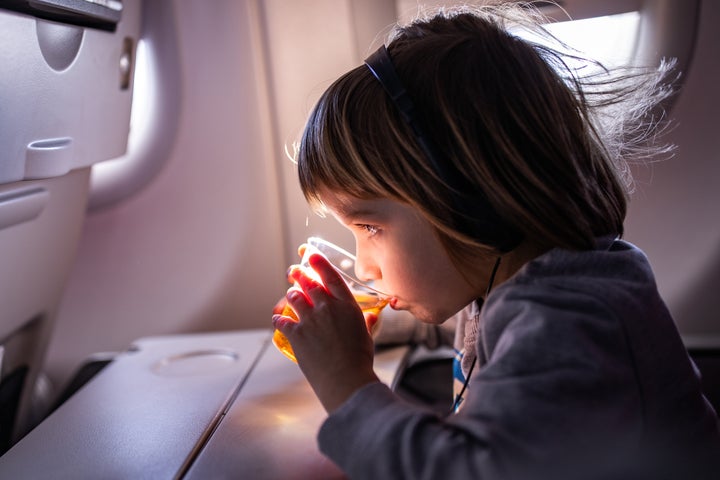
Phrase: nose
(366, 269)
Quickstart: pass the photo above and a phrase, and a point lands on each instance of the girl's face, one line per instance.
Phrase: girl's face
(398, 249)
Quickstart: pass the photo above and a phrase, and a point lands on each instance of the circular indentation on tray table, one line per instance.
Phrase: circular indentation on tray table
(197, 362)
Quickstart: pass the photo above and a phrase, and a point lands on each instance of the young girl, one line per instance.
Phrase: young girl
(480, 174)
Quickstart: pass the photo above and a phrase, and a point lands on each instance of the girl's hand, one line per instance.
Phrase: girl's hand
(331, 341)
(280, 305)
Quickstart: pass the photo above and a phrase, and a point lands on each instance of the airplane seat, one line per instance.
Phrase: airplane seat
(40, 224)
(426, 378)
(65, 91)
(707, 360)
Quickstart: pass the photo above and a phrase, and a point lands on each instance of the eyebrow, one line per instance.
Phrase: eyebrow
(354, 213)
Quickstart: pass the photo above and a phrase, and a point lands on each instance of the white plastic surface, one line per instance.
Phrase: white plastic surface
(156, 115)
(49, 158)
(222, 405)
(135, 420)
(21, 204)
(60, 85)
(40, 223)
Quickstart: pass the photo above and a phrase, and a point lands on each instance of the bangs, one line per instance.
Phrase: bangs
(347, 147)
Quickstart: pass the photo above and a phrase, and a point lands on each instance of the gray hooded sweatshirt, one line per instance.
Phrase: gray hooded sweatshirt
(581, 374)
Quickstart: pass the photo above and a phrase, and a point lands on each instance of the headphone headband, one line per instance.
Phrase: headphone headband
(382, 68)
(479, 218)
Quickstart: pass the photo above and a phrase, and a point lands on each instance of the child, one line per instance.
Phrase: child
(480, 174)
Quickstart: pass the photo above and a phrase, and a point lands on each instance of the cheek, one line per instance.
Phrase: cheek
(424, 291)
(420, 274)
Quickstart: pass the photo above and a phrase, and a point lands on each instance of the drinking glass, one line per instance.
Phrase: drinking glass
(369, 299)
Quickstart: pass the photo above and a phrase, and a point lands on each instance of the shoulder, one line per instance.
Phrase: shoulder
(613, 264)
(565, 301)
(613, 276)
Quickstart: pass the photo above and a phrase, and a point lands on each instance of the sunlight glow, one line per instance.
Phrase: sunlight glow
(610, 39)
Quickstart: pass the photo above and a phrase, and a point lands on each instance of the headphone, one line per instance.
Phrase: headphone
(475, 215)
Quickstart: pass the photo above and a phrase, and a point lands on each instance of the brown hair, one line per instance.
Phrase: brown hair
(545, 146)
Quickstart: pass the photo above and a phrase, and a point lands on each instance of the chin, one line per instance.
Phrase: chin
(427, 317)
(418, 312)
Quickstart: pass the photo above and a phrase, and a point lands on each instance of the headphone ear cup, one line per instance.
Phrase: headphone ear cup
(487, 227)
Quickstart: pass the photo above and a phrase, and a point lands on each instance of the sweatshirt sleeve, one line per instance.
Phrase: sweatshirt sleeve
(558, 383)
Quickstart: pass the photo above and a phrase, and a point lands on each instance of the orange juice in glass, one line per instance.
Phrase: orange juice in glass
(369, 299)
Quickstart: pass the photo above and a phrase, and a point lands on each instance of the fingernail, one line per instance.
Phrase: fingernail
(293, 271)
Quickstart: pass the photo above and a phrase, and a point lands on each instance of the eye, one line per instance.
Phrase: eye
(370, 229)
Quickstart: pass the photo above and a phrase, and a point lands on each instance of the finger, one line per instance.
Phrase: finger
(284, 324)
(330, 277)
(371, 321)
(290, 270)
(298, 301)
(307, 279)
(280, 305)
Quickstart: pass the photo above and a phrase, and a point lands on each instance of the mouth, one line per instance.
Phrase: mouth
(394, 303)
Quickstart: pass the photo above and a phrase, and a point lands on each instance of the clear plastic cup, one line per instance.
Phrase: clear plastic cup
(369, 299)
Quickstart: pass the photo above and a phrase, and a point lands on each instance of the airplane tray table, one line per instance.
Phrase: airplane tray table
(270, 429)
(220, 405)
